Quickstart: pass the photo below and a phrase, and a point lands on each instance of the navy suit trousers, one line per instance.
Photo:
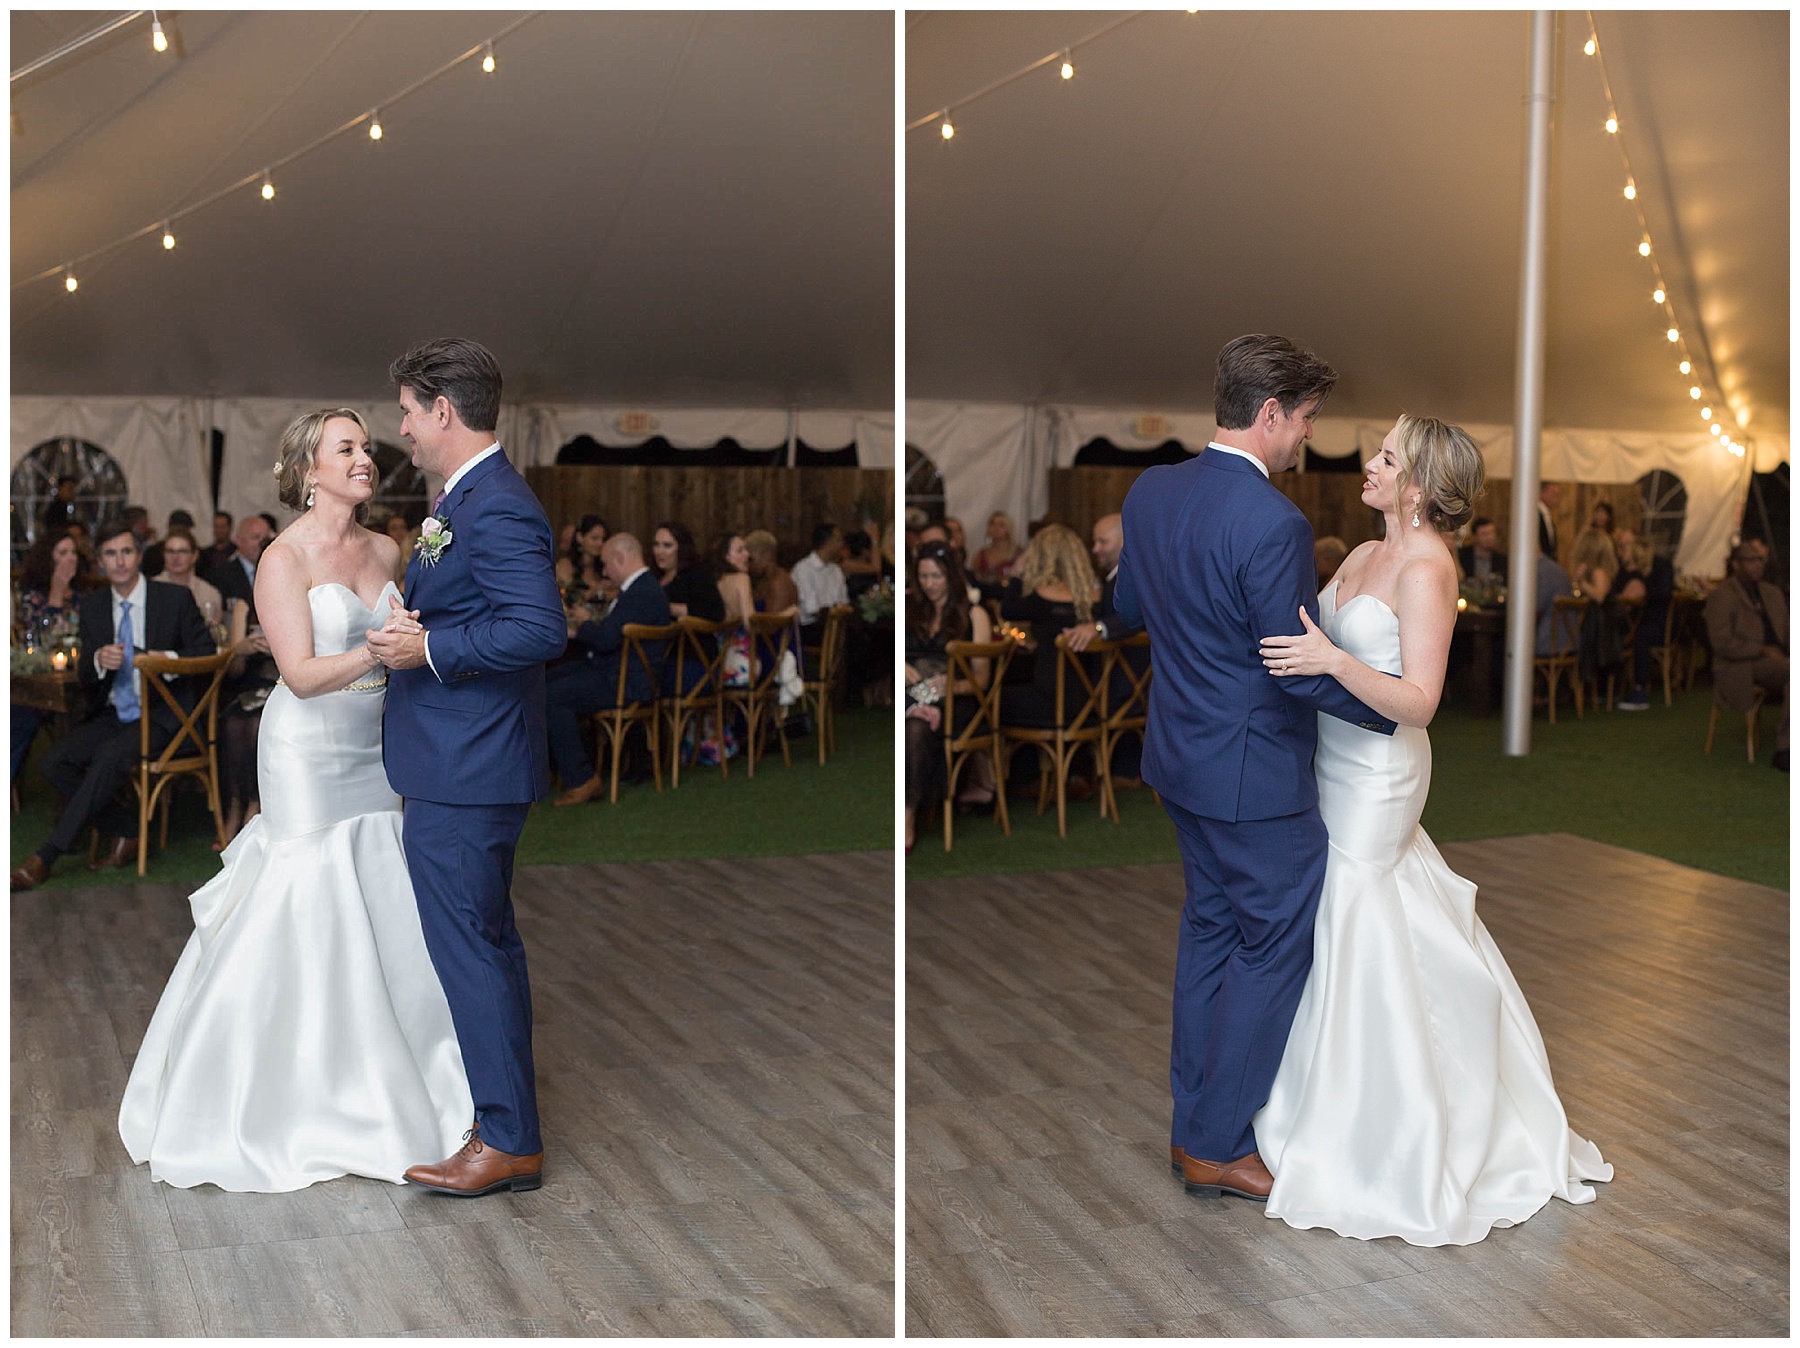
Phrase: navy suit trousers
(1245, 949)
(461, 858)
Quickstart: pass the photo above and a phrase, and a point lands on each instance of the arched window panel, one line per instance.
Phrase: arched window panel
(924, 489)
(1665, 509)
(101, 491)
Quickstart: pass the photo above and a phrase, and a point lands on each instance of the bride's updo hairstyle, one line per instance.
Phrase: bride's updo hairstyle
(300, 453)
(1443, 463)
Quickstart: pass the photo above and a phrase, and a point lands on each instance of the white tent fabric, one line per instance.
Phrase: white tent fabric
(161, 444)
(995, 457)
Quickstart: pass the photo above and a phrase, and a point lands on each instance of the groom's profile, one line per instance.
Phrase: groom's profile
(1215, 558)
(463, 741)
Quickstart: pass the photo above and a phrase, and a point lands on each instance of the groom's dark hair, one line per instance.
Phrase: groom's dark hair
(1258, 367)
(465, 372)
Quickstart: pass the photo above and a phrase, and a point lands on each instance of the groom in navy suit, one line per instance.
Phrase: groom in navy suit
(1215, 559)
(463, 740)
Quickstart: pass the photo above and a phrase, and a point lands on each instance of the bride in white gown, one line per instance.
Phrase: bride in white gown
(1414, 1098)
(304, 1034)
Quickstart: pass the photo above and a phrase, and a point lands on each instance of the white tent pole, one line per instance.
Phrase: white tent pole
(1528, 415)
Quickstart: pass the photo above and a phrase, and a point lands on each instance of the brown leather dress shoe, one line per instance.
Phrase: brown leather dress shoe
(581, 795)
(478, 1169)
(1246, 1177)
(1176, 1157)
(123, 852)
(31, 873)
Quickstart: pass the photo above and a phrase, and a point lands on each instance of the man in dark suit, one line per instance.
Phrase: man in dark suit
(1747, 622)
(590, 684)
(93, 761)
(235, 578)
(1109, 543)
(1215, 559)
(222, 549)
(1480, 556)
(1548, 495)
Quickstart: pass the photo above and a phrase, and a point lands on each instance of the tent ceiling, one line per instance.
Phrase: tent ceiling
(635, 208)
(1354, 181)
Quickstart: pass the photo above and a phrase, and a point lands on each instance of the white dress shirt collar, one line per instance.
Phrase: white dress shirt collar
(1261, 467)
(461, 473)
(139, 593)
(641, 571)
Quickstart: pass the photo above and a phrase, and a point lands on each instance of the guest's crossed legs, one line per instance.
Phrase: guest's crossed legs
(1245, 949)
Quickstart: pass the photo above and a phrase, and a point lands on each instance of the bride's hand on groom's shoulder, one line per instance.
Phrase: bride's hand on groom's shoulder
(1309, 653)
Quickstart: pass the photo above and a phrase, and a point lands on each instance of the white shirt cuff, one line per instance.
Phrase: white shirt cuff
(439, 677)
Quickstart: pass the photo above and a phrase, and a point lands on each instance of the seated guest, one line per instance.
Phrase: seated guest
(1601, 518)
(580, 572)
(220, 550)
(1109, 543)
(959, 543)
(249, 679)
(1594, 563)
(1055, 589)
(773, 588)
(50, 579)
(1552, 583)
(938, 612)
(688, 584)
(1604, 624)
(236, 578)
(1747, 621)
(1650, 579)
(90, 764)
(591, 683)
(994, 561)
(819, 582)
(1481, 559)
(861, 567)
(730, 566)
(181, 553)
(1328, 555)
(153, 555)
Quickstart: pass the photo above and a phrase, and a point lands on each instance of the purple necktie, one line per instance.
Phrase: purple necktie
(437, 504)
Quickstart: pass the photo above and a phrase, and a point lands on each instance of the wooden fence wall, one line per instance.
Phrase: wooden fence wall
(1332, 503)
(788, 502)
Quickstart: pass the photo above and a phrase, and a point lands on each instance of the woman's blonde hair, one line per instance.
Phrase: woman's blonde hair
(300, 452)
(1594, 549)
(1055, 553)
(1444, 464)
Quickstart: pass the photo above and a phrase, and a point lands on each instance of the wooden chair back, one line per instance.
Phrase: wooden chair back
(761, 701)
(193, 749)
(821, 690)
(980, 733)
(708, 691)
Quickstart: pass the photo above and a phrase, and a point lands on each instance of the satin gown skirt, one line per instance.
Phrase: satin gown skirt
(304, 1034)
(1414, 1098)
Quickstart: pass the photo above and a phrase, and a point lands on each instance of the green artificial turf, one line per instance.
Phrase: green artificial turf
(1634, 779)
(846, 805)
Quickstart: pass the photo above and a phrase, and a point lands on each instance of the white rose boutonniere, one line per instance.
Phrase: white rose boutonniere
(434, 537)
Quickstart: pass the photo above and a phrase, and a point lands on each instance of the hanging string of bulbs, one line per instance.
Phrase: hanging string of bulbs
(264, 179)
(1064, 56)
(1711, 409)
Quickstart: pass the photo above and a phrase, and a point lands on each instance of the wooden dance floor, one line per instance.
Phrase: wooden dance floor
(715, 1072)
(1038, 1193)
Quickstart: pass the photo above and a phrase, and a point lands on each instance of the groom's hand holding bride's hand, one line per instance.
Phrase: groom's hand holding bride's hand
(400, 643)
(1309, 653)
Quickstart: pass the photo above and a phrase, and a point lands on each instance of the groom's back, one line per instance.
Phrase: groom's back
(1223, 741)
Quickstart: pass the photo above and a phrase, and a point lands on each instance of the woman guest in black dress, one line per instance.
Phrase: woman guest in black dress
(937, 613)
(1055, 588)
(579, 573)
(691, 590)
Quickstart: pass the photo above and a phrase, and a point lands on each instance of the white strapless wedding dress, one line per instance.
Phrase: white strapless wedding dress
(304, 1034)
(1414, 1098)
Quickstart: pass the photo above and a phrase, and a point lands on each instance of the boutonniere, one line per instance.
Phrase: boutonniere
(434, 537)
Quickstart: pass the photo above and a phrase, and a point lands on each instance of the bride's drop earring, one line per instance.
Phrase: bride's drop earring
(312, 490)
(1415, 521)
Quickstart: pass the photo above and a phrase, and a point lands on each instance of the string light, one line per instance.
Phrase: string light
(1706, 414)
(168, 236)
(949, 130)
(1686, 367)
(1674, 334)
(1612, 126)
(1588, 50)
(268, 188)
(375, 125)
(1658, 295)
(1715, 428)
(488, 62)
(1694, 392)
(1631, 191)
(1063, 56)
(1644, 248)
(1068, 66)
(70, 284)
(158, 39)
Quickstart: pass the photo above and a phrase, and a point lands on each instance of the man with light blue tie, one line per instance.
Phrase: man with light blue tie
(90, 764)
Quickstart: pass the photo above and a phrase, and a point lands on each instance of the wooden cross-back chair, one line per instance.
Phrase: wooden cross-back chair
(980, 734)
(760, 701)
(193, 751)
(1080, 719)
(1566, 613)
(821, 690)
(1124, 706)
(682, 708)
(615, 722)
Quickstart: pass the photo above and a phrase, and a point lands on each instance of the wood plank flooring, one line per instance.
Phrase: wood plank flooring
(1038, 1195)
(715, 1057)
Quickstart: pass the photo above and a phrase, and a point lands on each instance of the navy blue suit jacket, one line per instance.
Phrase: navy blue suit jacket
(1215, 559)
(472, 732)
(642, 601)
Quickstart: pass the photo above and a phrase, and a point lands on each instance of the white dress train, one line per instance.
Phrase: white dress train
(1414, 1098)
(304, 1034)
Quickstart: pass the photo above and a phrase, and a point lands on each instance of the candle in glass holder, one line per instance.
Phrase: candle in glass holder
(59, 660)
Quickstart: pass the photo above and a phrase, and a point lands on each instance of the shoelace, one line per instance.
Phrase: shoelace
(472, 1142)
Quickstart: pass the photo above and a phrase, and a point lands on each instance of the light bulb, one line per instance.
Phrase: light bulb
(1631, 191)
(1612, 126)
(70, 283)
(158, 39)
(1674, 334)
(948, 130)
(1657, 295)
(1715, 428)
(1694, 392)
(1589, 48)
(1068, 67)
(1686, 366)
(375, 125)
(168, 237)
(1644, 248)
(487, 62)
(1706, 414)
(268, 188)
